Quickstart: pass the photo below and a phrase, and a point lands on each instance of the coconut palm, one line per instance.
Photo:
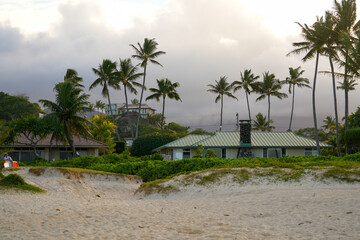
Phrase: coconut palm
(165, 89)
(312, 45)
(329, 124)
(261, 123)
(127, 76)
(70, 103)
(248, 83)
(99, 105)
(71, 75)
(145, 53)
(269, 87)
(295, 81)
(346, 25)
(106, 73)
(221, 87)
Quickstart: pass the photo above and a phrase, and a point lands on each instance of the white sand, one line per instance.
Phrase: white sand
(100, 207)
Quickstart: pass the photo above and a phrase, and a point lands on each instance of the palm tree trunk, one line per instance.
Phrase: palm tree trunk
(314, 107)
(127, 111)
(221, 112)
(268, 127)
(248, 105)
(346, 84)
(292, 107)
(335, 106)
(69, 138)
(162, 116)
(113, 118)
(141, 97)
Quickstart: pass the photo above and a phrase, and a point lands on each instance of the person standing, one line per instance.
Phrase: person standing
(8, 159)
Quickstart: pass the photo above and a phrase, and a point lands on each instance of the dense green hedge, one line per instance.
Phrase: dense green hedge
(120, 146)
(352, 137)
(150, 170)
(144, 145)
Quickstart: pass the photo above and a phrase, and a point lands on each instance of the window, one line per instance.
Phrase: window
(274, 152)
(265, 152)
(65, 155)
(283, 152)
(310, 152)
(223, 153)
(186, 153)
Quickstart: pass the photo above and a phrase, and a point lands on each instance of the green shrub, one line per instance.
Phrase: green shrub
(352, 138)
(199, 151)
(145, 145)
(210, 154)
(157, 156)
(12, 180)
(120, 146)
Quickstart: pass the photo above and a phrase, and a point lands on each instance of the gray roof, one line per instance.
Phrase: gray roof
(258, 140)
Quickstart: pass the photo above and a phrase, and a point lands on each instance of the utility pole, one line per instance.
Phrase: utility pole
(237, 121)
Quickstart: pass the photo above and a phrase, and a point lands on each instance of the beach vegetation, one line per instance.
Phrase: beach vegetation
(145, 145)
(157, 187)
(17, 182)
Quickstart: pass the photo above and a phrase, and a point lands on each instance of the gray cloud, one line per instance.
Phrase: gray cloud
(203, 40)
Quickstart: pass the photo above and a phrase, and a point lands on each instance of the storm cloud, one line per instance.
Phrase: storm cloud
(203, 41)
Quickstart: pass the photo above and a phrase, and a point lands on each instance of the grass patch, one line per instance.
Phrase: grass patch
(342, 175)
(38, 171)
(16, 181)
(12, 169)
(156, 187)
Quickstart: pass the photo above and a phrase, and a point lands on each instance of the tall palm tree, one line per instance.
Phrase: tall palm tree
(71, 75)
(106, 73)
(99, 105)
(312, 45)
(165, 89)
(269, 87)
(261, 123)
(295, 81)
(248, 83)
(145, 53)
(127, 76)
(346, 25)
(329, 124)
(221, 87)
(70, 103)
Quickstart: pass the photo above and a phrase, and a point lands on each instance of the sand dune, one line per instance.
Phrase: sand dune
(102, 206)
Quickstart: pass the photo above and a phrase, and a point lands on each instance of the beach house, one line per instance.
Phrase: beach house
(245, 143)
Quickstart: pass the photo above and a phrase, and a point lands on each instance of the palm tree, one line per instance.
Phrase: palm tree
(313, 46)
(248, 83)
(145, 53)
(261, 124)
(99, 105)
(329, 124)
(70, 103)
(165, 89)
(269, 87)
(346, 25)
(71, 75)
(106, 73)
(127, 76)
(295, 81)
(221, 87)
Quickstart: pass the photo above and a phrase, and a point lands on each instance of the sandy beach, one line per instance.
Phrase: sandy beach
(99, 206)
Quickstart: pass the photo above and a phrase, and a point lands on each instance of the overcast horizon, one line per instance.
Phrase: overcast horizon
(203, 40)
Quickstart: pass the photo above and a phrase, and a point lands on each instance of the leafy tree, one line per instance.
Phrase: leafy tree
(261, 124)
(72, 76)
(70, 103)
(295, 81)
(145, 53)
(102, 130)
(145, 145)
(156, 119)
(354, 119)
(106, 73)
(200, 131)
(12, 107)
(248, 83)
(29, 131)
(134, 101)
(210, 154)
(221, 87)
(164, 89)
(199, 151)
(310, 133)
(177, 129)
(269, 87)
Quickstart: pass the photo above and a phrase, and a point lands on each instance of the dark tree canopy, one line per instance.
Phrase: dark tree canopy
(12, 107)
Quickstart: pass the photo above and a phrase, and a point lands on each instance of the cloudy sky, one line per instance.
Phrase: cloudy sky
(203, 40)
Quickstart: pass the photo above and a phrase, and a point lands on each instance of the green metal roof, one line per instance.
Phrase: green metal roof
(185, 142)
(258, 140)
